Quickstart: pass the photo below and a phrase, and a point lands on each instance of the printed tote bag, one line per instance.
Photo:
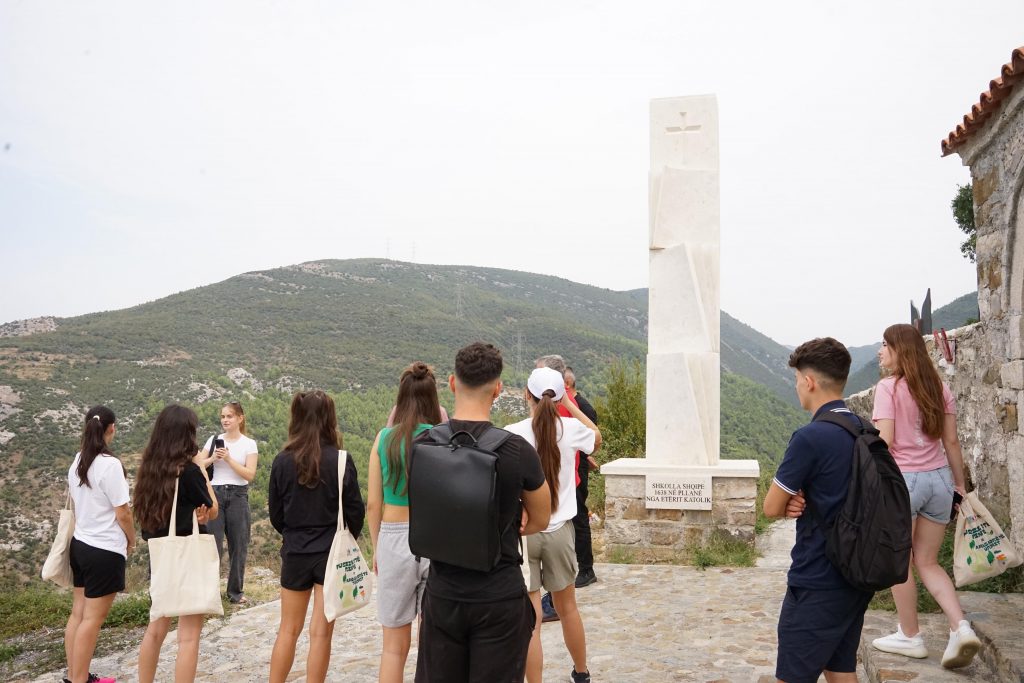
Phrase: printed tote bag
(348, 581)
(57, 567)
(185, 571)
(980, 548)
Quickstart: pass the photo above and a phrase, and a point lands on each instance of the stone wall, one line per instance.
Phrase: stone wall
(988, 375)
(630, 526)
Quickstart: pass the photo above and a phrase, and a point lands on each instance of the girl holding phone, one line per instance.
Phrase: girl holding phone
(233, 456)
(915, 412)
(168, 458)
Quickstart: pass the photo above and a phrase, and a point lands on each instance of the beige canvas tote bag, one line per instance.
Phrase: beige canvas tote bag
(57, 567)
(185, 571)
(980, 548)
(348, 581)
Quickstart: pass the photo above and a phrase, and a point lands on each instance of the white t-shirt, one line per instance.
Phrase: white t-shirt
(95, 521)
(237, 451)
(573, 436)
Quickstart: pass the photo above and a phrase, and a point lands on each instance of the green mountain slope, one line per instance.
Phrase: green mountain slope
(748, 353)
(755, 422)
(346, 326)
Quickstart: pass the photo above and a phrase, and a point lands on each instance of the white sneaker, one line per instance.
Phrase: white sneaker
(963, 645)
(899, 644)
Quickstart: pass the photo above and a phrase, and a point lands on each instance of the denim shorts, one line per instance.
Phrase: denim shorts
(931, 494)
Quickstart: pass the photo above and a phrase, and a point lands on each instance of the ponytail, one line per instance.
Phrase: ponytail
(94, 442)
(545, 430)
(416, 404)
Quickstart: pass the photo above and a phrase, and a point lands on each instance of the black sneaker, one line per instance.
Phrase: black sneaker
(547, 607)
(579, 677)
(585, 578)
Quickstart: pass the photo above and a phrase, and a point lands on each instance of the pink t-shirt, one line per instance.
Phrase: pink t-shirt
(913, 450)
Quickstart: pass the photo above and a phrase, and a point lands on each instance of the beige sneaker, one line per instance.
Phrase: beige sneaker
(899, 644)
(963, 645)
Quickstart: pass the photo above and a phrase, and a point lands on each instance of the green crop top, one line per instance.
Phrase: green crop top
(390, 496)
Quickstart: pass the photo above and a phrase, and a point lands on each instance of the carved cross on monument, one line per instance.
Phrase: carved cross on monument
(684, 127)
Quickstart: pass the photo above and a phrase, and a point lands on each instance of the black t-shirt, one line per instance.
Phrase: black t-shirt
(518, 469)
(308, 517)
(586, 408)
(192, 493)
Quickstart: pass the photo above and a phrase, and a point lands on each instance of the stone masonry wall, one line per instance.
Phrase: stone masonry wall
(989, 375)
(630, 526)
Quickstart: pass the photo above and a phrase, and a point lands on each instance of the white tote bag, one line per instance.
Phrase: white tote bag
(980, 548)
(348, 581)
(57, 567)
(185, 571)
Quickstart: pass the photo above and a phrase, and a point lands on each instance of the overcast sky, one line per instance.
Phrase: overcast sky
(147, 148)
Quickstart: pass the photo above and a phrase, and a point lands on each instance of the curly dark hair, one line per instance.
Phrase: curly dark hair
(478, 364)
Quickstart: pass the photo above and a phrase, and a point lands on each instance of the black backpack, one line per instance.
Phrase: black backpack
(870, 540)
(453, 498)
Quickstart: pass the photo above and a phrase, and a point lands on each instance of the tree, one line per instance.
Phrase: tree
(963, 214)
(622, 411)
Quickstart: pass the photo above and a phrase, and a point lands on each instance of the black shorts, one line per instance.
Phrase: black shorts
(100, 572)
(819, 630)
(299, 571)
(474, 642)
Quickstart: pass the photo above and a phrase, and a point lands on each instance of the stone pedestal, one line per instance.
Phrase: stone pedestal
(659, 533)
(680, 491)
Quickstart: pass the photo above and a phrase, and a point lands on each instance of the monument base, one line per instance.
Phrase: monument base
(660, 533)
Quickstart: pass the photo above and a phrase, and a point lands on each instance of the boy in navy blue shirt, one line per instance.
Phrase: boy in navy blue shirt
(822, 615)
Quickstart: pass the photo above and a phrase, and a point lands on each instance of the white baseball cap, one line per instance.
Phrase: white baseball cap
(544, 379)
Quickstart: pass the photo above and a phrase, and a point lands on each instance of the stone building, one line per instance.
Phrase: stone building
(988, 372)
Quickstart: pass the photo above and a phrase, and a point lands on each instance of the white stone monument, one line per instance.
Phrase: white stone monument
(650, 499)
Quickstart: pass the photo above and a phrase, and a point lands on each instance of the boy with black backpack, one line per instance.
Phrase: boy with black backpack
(822, 614)
(477, 622)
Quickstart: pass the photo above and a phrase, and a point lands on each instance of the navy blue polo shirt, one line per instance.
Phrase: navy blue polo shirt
(819, 460)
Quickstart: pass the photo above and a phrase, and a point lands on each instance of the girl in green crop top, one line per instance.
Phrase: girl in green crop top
(400, 577)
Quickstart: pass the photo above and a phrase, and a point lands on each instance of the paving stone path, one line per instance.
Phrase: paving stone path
(644, 623)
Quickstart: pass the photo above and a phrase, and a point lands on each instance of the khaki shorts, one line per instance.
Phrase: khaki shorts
(552, 558)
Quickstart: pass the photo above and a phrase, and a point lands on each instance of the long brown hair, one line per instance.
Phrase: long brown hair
(313, 423)
(236, 408)
(416, 404)
(915, 367)
(546, 426)
(94, 441)
(172, 445)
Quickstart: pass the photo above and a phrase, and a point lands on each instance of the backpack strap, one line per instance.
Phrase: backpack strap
(846, 423)
(490, 440)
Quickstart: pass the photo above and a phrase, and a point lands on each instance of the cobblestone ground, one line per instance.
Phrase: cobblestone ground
(644, 623)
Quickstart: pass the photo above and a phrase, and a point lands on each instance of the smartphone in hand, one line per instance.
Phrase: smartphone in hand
(957, 499)
(218, 443)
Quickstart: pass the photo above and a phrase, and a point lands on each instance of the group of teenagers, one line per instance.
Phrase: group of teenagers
(477, 626)
(473, 625)
(822, 615)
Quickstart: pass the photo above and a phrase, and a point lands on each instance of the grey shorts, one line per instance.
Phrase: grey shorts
(552, 558)
(400, 578)
(931, 494)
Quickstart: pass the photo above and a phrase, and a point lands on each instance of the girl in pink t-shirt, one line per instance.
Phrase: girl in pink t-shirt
(916, 415)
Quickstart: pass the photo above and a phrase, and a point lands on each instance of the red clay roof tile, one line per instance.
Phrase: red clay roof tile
(988, 103)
